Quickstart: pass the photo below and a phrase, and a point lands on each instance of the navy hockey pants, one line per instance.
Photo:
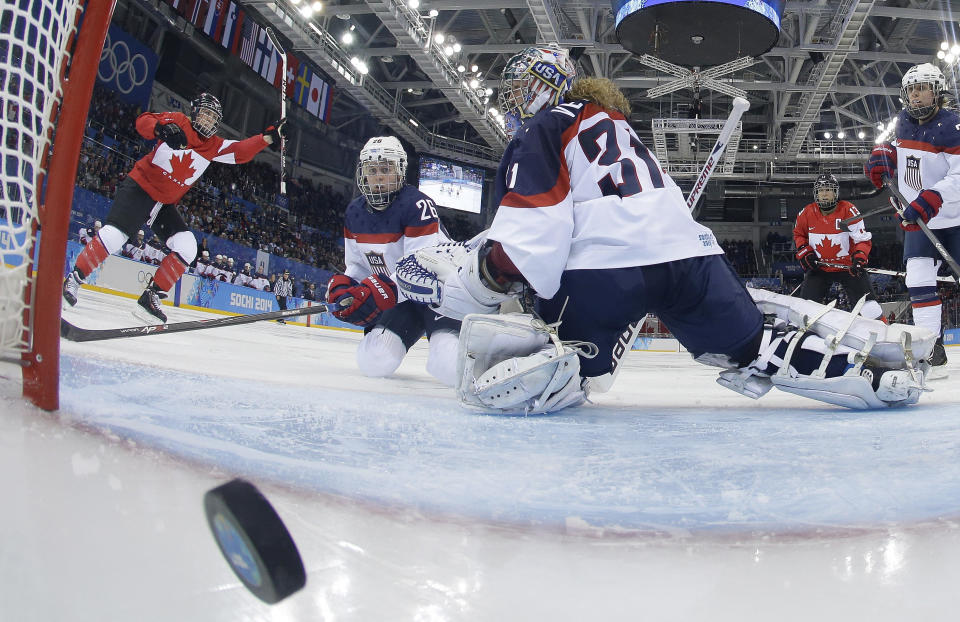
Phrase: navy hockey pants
(701, 300)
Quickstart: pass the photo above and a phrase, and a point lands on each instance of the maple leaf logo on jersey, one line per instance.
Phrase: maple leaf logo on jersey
(826, 249)
(181, 167)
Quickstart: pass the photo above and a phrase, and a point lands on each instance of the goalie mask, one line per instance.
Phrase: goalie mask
(826, 192)
(381, 171)
(921, 90)
(533, 79)
(205, 115)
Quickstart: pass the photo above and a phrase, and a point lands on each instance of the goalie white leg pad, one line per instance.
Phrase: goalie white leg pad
(442, 356)
(855, 332)
(854, 389)
(497, 350)
(542, 382)
(380, 353)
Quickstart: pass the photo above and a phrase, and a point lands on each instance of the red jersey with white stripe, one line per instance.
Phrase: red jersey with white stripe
(374, 241)
(578, 190)
(166, 174)
(828, 239)
(928, 158)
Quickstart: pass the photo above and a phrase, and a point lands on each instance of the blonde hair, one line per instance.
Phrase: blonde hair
(602, 92)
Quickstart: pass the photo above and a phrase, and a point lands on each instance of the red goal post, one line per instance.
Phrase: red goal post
(49, 54)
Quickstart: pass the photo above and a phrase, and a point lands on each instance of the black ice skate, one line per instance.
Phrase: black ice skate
(938, 361)
(71, 288)
(148, 307)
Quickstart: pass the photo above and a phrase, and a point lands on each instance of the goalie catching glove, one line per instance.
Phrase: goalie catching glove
(364, 301)
(455, 279)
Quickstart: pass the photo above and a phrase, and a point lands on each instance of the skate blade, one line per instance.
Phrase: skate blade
(938, 373)
(146, 318)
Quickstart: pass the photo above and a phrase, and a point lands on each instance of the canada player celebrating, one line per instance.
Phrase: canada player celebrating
(589, 222)
(389, 220)
(149, 193)
(830, 253)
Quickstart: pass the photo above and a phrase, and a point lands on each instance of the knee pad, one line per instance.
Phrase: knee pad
(442, 356)
(112, 238)
(183, 243)
(921, 272)
(872, 309)
(380, 353)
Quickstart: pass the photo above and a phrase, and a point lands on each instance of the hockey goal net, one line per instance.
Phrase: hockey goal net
(47, 69)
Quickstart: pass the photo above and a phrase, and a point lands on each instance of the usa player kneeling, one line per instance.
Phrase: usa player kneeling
(389, 220)
(589, 222)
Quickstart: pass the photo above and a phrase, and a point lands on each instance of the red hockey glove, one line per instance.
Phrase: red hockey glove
(171, 134)
(275, 130)
(371, 297)
(924, 207)
(337, 287)
(858, 263)
(807, 258)
(882, 162)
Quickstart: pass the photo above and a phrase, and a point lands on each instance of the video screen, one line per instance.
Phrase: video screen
(451, 185)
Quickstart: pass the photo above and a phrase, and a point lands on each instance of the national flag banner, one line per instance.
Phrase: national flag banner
(248, 41)
(235, 48)
(293, 64)
(180, 6)
(266, 58)
(198, 14)
(213, 18)
(301, 86)
(317, 101)
(230, 26)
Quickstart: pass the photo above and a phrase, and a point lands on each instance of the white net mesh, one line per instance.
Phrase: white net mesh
(34, 35)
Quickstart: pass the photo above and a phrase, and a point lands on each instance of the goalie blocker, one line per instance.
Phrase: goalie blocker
(516, 363)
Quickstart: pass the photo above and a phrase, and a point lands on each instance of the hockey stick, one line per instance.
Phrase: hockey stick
(283, 110)
(740, 105)
(923, 227)
(74, 333)
(846, 222)
(602, 384)
(942, 279)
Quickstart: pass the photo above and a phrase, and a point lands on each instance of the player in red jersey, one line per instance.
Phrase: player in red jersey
(831, 252)
(149, 194)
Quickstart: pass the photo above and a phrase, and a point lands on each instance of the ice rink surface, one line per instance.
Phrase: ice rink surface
(669, 498)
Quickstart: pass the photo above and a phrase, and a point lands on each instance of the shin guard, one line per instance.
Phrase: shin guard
(169, 272)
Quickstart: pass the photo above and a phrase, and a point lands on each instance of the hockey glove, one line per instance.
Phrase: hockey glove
(171, 134)
(371, 297)
(807, 258)
(275, 130)
(337, 287)
(924, 207)
(858, 263)
(882, 162)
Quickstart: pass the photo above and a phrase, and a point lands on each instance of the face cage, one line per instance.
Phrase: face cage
(920, 112)
(826, 206)
(206, 125)
(380, 199)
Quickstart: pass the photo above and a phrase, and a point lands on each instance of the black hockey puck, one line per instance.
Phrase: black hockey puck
(254, 540)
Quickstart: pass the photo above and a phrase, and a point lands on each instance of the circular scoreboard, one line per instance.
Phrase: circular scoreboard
(698, 33)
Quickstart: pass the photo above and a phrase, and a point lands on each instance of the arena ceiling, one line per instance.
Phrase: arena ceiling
(836, 67)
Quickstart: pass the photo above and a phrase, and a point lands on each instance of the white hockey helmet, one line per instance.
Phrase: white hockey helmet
(926, 73)
(381, 171)
(826, 192)
(538, 76)
(206, 123)
(97, 224)
(206, 254)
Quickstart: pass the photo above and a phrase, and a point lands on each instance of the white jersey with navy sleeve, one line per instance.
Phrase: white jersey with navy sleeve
(578, 190)
(928, 158)
(375, 240)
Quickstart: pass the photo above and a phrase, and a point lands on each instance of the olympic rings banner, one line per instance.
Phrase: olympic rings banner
(127, 67)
